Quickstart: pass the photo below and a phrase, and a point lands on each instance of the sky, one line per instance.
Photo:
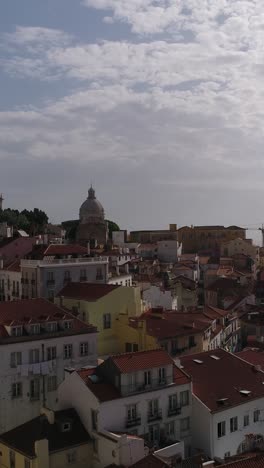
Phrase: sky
(158, 103)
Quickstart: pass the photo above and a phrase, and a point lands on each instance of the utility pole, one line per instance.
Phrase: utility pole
(262, 233)
(1, 201)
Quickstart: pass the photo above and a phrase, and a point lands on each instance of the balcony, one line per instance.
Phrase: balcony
(176, 411)
(67, 280)
(83, 278)
(142, 387)
(63, 261)
(132, 422)
(155, 416)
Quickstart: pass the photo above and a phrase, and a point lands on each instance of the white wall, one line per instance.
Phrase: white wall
(158, 297)
(168, 251)
(16, 411)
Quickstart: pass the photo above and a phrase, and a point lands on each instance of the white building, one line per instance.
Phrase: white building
(37, 340)
(45, 278)
(140, 393)
(157, 296)
(168, 251)
(228, 403)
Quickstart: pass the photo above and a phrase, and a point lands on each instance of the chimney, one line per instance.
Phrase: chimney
(49, 414)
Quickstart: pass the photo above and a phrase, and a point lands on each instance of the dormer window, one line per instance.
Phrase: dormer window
(16, 331)
(66, 426)
(34, 329)
(51, 326)
(67, 324)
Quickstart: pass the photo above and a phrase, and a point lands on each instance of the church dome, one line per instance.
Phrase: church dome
(91, 210)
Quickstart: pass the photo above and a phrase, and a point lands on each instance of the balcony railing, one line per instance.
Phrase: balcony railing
(154, 416)
(50, 282)
(62, 261)
(142, 387)
(135, 421)
(67, 280)
(174, 411)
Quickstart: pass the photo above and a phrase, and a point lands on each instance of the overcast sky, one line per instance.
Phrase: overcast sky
(158, 102)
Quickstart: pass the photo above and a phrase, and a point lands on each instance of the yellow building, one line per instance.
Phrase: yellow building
(52, 440)
(100, 305)
(207, 238)
(178, 333)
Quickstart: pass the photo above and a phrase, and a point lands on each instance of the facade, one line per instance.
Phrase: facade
(38, 340)
(150, 237)
(228, 403)
(168, 251)
(10, 282)
(100, 305)
(196, 239)
(157, 296)
(55, 439)
(45, 278)
(142, 393)
(238, 246)
(92, 226)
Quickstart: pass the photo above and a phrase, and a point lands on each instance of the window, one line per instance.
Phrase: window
(71, 457)
(246, 420)
(184, 424)
(84, 349)
(67, 324)
(51, 353)
(131, 412)
(33, 356)
(50, 293)
(227, 454)
(15, 359)
(34, 389)
(172, 401)
(12, 459)
(34, 329)
(256, 415)
(51, 326)
(52, 383)
(83, 274)
(131, 347)
(16, 390)
(26, 463)
(94, 419)
(67, 353)
(233, 424)
(99, 274)
(184, 398)
(153, 407)
(154, 433)
(162, 375)
(170, 430)
(221, 429)
(147, 378)
(191, 341)
(16, 331)
(66, 427)
(107, 321)
(50, 276)
(67, 275)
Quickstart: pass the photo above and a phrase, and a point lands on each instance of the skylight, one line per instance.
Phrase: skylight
(245, 392)
(216, 358)
(197, 361)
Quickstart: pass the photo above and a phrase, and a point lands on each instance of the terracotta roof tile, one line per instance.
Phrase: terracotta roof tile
(132, 362)
(150, 461)
(256, 461)
(87, 291)
(65, 249)
(210, 386)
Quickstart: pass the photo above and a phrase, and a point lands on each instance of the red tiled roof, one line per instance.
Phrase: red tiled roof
(87, 291)
(254, 356)
(222, 378)
(103, 390)
(150, 461)
(141, 360)
(257, 461)
(34, 311)
(65, 249)
(14, 266)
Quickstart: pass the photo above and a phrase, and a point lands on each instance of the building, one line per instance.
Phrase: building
(168, 251)
(153, 236)
(38, 340)
(10, 282)
(157, 296)
(92, 226)
(228, 403)
(177, 333)
(12, 249)
(238, 246)
(195, 239)
(100, 305)
(53, 439)
(45, 278)
(142, 394)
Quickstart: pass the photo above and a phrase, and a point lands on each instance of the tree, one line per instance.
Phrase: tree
(112, 226)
